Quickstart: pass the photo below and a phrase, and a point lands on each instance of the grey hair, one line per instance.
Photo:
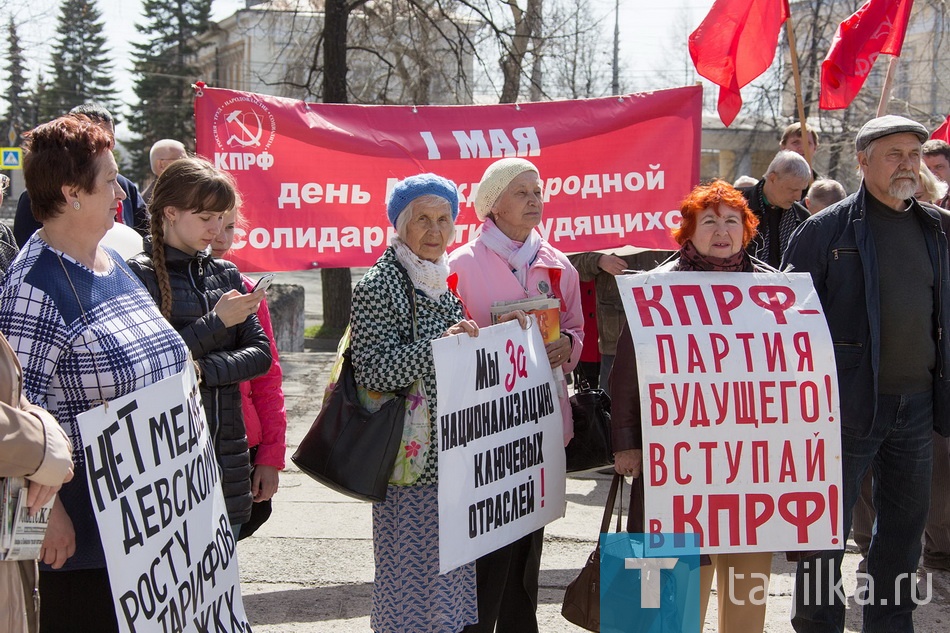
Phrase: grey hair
(789, 163)
(826, 192)
(428, 200)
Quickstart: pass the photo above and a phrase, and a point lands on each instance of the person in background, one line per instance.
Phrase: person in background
(744, 181)
(399, 307)
(774, 200)
(510, 260)
(204, 300)
(162, 154)
(8, 245)
(824, 193)
(130, 211)
(879, 263)
(792, 140)
(262, 402)
(32, 445)
(588, 368)
(716, 228)
(935, 153)
(602, 268)
(85, 331)
(931, 189)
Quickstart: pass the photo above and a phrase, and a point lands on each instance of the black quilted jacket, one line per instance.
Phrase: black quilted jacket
(227, 356)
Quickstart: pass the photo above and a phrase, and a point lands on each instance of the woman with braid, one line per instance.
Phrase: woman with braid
(203, 298)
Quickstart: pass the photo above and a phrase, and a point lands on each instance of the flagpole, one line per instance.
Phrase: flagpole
(790, 34)
(888, 82)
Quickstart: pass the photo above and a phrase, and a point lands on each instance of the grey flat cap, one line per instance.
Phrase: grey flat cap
(885, 126)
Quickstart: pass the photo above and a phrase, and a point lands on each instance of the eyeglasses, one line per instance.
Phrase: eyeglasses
(4, 183)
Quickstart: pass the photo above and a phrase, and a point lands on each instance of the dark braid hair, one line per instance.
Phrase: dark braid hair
(188, 184)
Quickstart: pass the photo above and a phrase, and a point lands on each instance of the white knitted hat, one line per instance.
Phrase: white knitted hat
(496, 179)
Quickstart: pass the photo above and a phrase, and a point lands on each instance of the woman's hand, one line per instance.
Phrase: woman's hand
(38, 495)
(559, 351)
(264, 482)
(629, 462)
(516, 314)
(234, 307)
(463, 327)
(60, 541)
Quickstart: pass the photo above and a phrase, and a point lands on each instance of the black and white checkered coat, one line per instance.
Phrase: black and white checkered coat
(385, 356)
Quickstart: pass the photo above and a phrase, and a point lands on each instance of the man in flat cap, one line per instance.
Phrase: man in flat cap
(879, 262)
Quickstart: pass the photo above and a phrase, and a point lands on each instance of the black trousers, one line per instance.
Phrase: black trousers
(76, 602)
(507, 581)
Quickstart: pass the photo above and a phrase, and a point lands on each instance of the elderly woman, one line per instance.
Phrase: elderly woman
(508, 261)
(716, 227)
(85, 331)
(391, 344)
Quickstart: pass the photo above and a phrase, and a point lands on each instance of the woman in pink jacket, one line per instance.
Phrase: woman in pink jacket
(262, 400)
(509, 261)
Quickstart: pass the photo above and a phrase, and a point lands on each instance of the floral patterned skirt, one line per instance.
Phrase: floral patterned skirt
(409, 595)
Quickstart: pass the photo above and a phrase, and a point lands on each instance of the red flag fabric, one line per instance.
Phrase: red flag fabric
(735, 44)
(877, 27)
(942, 133)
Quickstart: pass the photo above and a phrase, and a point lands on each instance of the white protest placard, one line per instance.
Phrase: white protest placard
(155, 487)
(500, 441)
(739, 409)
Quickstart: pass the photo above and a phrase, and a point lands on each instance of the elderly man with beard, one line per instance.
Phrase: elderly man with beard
(879, 262)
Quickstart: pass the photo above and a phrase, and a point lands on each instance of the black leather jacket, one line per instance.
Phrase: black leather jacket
(227, 357)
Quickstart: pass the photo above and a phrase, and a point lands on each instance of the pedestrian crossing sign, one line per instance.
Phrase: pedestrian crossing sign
(11, 158)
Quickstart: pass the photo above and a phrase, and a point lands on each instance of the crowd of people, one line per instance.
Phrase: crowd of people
(87, 324)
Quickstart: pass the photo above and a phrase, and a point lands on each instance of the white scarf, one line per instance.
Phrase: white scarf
(518, 255)
(429, 277)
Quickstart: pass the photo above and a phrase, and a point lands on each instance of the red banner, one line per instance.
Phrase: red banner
(315, 177)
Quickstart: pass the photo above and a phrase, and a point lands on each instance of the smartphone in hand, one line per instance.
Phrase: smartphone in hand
(264, 283)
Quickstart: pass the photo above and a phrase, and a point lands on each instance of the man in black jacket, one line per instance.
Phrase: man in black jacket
(775, 201)
(134, 213)
(879, 262)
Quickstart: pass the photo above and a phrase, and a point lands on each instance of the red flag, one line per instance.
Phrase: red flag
(735, 44)
(942, 133)
(877, 27)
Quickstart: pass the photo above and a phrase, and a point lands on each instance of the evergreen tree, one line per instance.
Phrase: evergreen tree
(80, 67)
(17, 94)
(165, 75)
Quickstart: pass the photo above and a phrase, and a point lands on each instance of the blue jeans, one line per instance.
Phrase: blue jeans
(899, 451)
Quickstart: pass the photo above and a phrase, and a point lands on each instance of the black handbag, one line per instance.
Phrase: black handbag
(348, 448)
(590, 448)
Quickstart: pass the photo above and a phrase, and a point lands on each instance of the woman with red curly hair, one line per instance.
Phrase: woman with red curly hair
(716, 227)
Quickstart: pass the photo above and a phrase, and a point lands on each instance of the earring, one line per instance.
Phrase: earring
(76, 205)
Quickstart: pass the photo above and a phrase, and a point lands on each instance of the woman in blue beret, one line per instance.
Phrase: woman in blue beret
(399, 307)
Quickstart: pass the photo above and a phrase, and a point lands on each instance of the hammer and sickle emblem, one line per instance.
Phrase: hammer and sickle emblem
(250, 138)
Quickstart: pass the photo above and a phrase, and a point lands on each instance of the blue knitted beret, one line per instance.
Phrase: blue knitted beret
(412, 187)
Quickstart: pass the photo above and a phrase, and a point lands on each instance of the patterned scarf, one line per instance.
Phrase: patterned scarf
(518, 255)
(787, 224)
(429, 277)
(691, 259)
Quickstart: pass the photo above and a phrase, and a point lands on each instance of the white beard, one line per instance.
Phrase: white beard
(903, 188)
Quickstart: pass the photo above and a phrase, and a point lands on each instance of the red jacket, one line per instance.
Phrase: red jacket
(262, 401)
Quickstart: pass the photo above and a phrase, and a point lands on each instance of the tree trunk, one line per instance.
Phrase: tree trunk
(336, 282)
